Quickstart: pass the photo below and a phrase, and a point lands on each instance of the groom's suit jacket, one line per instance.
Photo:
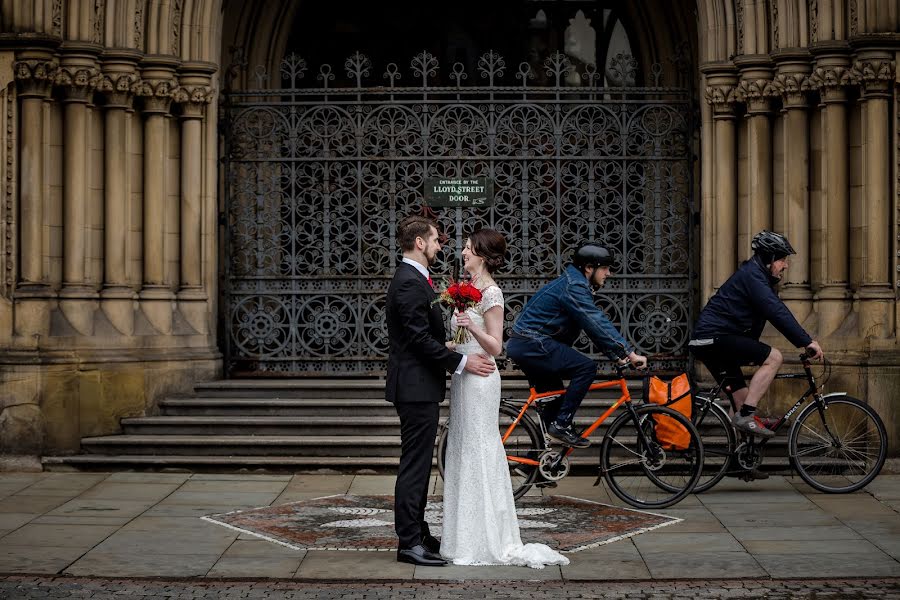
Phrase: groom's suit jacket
(418, 360)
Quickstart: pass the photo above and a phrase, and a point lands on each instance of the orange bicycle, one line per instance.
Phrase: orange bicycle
(638, 463)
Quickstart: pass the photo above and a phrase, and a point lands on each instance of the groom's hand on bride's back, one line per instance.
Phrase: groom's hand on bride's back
(480, 364)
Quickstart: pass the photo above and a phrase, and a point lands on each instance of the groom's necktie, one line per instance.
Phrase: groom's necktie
(430, 282)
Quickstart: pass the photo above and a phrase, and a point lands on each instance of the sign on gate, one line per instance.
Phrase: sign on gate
(476, 192)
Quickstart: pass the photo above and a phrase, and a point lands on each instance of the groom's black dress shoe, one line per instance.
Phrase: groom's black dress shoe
(432, 544)
(418, 555)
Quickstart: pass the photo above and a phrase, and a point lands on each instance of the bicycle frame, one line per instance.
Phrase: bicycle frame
(812, 391)
(534, 396)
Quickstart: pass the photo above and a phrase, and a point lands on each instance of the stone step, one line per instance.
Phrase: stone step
(336, 388)
(309, 406)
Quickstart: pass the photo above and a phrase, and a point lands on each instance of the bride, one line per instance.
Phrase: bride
(480, 525)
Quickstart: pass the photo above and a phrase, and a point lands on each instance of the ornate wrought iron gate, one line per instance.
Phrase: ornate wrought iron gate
(316, 179)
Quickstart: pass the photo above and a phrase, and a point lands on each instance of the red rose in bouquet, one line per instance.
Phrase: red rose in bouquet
(460, 295)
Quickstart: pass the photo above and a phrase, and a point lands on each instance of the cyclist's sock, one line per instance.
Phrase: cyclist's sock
(746, 411)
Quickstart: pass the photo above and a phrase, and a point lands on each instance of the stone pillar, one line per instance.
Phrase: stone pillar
(829, 231)
(791, 217)
(35, 70)
(156, 90)
(193, 95)
(874, 69)
(78, 76)
(754, 90)
(117, 85)
(721, 80)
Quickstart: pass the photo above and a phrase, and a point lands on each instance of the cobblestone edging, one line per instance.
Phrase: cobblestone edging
(38, 588)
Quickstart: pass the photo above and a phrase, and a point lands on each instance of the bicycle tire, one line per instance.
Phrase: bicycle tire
(531, 445)
(848, 447)
(719, 441)
(648, 476)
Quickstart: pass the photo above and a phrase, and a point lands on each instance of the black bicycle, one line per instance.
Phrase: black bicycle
(837, 443)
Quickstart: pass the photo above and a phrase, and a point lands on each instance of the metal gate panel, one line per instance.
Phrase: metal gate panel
(317, 177)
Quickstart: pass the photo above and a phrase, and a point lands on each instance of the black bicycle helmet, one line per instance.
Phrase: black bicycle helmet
(770, 246)
(592, 255)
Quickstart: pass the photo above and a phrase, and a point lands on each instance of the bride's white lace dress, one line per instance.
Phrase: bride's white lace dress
(480, 526)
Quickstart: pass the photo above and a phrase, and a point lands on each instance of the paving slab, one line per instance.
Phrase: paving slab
(36, 505)
(239, 477)
(885, 488)
(37, 559)
(372, 485)
(829, 565)
(41, 534)
(502, 573)
(611, 561)
(258, 548)
(771, 515)
(694, 520)
(10, 521)
(63, 484)
(220, 499)
(700, 565)
(809, 547)
(143, 564)
(853, 506)
(331, 564)
(101, 507)
(821, 533)
(129, 477)
(214, 541)
(325, 484)
(256, 567)
(151, 492)
(216, 486)
(680, 543)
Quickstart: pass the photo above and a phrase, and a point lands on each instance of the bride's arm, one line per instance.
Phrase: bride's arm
(491, 337)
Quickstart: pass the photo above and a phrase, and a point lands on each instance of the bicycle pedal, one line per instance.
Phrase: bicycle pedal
(546, 484)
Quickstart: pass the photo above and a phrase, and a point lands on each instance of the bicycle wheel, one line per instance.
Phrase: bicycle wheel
(640, 470)
(840, 448)
(525, 442)
(719, 441)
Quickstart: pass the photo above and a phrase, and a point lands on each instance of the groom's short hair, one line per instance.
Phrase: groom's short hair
(412, 227)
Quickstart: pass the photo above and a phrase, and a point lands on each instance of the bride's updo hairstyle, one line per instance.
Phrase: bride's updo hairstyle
(489, 245)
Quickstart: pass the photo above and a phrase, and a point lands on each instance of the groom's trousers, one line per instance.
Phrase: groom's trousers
(418, 428)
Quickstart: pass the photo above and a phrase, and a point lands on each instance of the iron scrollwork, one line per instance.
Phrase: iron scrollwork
(318, 173)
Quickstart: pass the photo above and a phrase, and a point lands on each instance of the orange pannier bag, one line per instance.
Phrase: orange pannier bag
(675, 394)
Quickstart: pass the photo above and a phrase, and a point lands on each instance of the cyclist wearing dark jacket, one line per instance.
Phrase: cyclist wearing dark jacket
(726, 336)
(542, 337)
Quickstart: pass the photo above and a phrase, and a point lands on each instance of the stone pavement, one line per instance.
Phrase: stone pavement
(134, 525)
(35, 588)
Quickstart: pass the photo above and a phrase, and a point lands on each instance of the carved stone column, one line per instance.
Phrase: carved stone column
(78, 76)
(874, 69)
(721, 80)
(791, 216)
(754, 90)
(35, 71)
(829, 229)
(193, 95)
(155, 89)
(117, 86)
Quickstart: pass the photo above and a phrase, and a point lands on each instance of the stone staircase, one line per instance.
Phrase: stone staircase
(280, 425)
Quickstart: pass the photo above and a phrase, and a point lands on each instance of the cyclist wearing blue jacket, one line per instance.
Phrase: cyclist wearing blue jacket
(542, 337)
(726, 336)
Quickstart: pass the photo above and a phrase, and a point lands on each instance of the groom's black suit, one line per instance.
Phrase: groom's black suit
(418, 363)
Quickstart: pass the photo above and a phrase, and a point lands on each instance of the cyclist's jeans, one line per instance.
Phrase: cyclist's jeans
(546, 363)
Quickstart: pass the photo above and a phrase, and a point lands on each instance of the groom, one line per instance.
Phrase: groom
(418, 362)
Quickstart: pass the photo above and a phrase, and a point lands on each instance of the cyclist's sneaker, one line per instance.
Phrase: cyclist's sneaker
(567, 436)
(751, 424)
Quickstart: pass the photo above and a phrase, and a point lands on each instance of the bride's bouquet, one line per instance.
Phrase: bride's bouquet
(459, 295)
